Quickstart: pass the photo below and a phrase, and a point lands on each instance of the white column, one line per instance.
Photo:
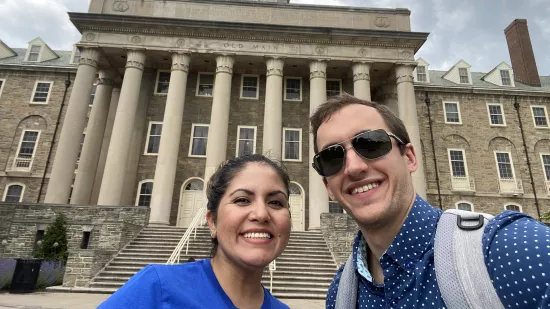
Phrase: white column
(407, 112)
(318, 196)
(219, 121)
(273, 111)
(61, 179)
(167, 160)
(119, 146)
(361, 80)
(91, 149)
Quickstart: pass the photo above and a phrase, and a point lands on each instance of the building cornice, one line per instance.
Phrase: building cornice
(34, 68)
(477, 90)
(246, 31)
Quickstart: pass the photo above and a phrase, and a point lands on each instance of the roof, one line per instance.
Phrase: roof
(436, 79)
(64, 59)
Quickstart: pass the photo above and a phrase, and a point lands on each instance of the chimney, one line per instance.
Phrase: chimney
(521, 53)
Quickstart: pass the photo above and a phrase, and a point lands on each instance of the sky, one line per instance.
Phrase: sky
(472, 30)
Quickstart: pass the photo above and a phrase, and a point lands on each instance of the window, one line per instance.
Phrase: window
(34, 53)
(540, 116)
(505, 76)
(464, 78)
(496, 115)
(25, 153)
(292, 144)
(205, 85)
(464, 206)
(452, 112)
(85, 240)
(38, 237)
(76, 55)
(145, 190)
(250, 86)
(334, 87)
(92, 96)
(421, 75)
(504, 164)
(546, 165)
(293, 89)
(246, 141)
(199, 140)
(153, 138)
(163, 81)
(513, 207)
(457, 162)
(14, 193)
(335, 207)
(41, 92)
(2, 83)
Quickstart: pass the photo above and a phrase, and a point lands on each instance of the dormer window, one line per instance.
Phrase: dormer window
(34, 53)
(421, 75)
(463, 73)
(76, 57)
(505, 76)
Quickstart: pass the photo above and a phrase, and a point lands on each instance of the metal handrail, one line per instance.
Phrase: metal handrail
(198, 220)
(272, 268)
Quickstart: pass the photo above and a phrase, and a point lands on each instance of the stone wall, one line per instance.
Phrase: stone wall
(339, 231)
(111, 229)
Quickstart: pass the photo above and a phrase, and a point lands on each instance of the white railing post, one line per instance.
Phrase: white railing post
(272, 268)
(197, 220)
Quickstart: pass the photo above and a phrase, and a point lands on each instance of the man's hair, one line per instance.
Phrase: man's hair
(335, 104)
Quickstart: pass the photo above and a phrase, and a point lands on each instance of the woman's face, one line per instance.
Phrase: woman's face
(253, 223)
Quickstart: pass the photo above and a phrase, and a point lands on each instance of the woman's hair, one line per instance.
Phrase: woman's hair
(221, 179)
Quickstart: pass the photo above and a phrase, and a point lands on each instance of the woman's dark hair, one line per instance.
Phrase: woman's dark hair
(221, 179)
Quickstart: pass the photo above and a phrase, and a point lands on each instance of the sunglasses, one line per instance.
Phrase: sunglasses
(370, 145)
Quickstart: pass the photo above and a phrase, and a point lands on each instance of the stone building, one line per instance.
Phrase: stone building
(177, 87)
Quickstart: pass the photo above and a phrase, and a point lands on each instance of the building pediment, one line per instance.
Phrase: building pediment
(501, 75)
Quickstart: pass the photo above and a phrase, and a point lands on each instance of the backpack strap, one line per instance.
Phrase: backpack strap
(346, 297)
(460, 266)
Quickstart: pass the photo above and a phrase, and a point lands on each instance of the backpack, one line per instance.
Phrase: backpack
(460, 267)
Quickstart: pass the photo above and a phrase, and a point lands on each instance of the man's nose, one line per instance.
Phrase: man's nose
(355, 164)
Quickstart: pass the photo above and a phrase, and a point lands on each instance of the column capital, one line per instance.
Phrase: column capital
(275, 66)
(136, 59)
(106, 77)
(361, 70)
(89, 56)
(317, 69)
(224, 64)
(180, 61)
(404, 73)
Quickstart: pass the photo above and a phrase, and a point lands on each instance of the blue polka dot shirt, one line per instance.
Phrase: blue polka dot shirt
(517, 255)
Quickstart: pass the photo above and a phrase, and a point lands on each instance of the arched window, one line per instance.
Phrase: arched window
(195, 185)
(145, 189)
(464, 206)
(14, 193)
(513, 207)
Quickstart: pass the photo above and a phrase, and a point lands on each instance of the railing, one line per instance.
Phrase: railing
(272, 268)
(463, 183)
(198, 220)
(22, 164)
(510, 186)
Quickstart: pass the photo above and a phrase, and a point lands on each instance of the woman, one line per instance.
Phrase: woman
(249, 221)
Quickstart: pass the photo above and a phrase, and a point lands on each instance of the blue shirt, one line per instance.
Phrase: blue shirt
(517, 255)
(190, 285)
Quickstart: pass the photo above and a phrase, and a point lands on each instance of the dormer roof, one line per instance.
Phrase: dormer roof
(45, 52)
(495, 76)
(453, 74)
(6, 51)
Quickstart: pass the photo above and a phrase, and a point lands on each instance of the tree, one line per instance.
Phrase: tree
(545, 217)
(53, 246)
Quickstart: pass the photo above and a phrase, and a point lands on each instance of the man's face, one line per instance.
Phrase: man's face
(373, 192)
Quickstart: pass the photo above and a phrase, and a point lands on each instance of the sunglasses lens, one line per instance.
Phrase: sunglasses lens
(372, 144)
(330, 160)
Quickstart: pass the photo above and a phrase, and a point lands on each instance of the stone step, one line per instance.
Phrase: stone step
(167, 253)
(206, 250)
(286, 266)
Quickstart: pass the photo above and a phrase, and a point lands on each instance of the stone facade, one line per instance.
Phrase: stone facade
(339, 231)
(111, 227)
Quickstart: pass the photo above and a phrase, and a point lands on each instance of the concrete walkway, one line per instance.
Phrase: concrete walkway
(49, 300)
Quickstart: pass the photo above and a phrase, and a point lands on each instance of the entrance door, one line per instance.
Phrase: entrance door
(296, 201)
(191, 199)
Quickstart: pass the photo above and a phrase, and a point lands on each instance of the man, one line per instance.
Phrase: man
(364, 154)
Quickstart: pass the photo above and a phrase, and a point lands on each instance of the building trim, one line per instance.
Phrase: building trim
(532, 116)
(464, 202)
(255, 128)
(445, 112)
(501, 110)
(145, 152)
(9, 184)
(3, 80)
(257, 86)
(138, 193)
(192, 137)
(34, 92)
(157, 83)
(514, 204)
(299, 145)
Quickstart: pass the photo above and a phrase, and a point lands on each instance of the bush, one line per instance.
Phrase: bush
(53, 246)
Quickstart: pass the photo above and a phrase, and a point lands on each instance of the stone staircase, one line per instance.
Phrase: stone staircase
(304, 270)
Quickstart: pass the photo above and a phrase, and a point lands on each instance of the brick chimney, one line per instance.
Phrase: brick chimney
(521, 53)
